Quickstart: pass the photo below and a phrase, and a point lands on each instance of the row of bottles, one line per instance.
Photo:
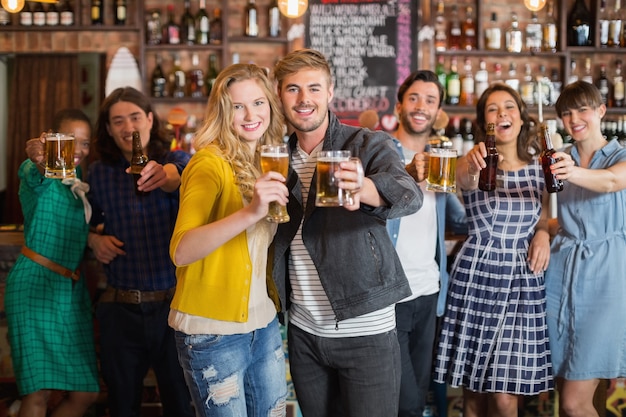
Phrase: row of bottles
(179, 83)
(464, 87)
(36, 14)
(251, 24)
(193, 29)
(119, 8)
(609, 28)
(452, 33)
(610, 80)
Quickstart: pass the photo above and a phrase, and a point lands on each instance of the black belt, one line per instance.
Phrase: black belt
(114, 295)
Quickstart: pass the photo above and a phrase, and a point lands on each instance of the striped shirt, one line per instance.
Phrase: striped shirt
(311, 310)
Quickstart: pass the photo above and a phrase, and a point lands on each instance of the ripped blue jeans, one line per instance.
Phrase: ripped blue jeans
(241, 375)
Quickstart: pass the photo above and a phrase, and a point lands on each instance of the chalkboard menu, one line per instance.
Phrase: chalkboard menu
(371, 46)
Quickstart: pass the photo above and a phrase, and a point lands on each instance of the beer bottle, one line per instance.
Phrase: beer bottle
(553, 185)
(487, 178)
(137, 161)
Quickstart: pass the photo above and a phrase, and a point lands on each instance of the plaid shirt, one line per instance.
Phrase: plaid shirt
(144, 223)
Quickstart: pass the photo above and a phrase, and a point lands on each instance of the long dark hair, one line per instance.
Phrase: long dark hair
(105, 146)
(527, 141)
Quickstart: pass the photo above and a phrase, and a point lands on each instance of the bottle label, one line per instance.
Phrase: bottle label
(618, 91)
(494, 38)
(26, 19)
(5, 18)
(121, 13)
(95, 13)
(454, 88)
(52, 19)
(39, 18)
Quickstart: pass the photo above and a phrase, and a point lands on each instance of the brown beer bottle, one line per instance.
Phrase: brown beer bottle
(553, 185)
(487, 178)
(137, 161)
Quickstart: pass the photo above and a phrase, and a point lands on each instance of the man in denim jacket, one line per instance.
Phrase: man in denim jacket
(336, 265)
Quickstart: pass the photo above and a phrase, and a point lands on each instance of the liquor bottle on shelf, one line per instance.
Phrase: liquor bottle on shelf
(188, 26)
(39, 15)
(252, 21)
(512, 79)
(587, 74)
(26, 15)
(52, 15)
(211, 73)
(195, 78)
(440, 70)
(441, 35)
(177, 79)
(203, 24)
(215, 31)
(553, 185)
(66, 13)
(573, 72)
(487, 176)
(120, 12)
(455, 135)
(604, 86)
(550, 31)
(171, 30)
(274, 26)
(513, 35)
(453, 84)
(454, 29)
(497, 74)
(544, 87)
(603, 24)
(5, 17)
(97, 12)
(615, 26)
(555, 86)
(467, 97)
(618, 85)
(534, 34)
(527, 86)
(579, 25)
(154, 28)
(493, 34)
(468, 29)
(158, 81)
(481, 78)
(468, 136)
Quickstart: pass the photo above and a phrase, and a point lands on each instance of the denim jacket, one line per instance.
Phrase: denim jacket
(352, 251)
(450, 211)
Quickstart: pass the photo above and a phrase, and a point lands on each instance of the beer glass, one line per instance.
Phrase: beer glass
(276, 158)
(59, 156)
(442, 170)
(328, 192)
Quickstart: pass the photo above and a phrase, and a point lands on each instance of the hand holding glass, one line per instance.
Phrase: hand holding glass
(276, 158)
(59, 156)
(329, 194)
(441, 170)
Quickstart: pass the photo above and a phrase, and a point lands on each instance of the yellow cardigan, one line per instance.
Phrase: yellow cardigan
(218, 285)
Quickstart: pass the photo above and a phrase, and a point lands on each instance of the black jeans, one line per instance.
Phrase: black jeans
(133, 338)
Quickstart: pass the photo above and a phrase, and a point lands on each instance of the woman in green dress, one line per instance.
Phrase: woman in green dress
(49, 314)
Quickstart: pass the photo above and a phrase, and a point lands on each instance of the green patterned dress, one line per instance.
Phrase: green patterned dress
(49, 315)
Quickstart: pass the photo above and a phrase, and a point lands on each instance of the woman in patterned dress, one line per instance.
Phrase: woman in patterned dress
(494, 340)
(585, 283)
(49, 315)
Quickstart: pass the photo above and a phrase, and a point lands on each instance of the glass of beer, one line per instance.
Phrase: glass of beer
(442, 170)
(59, 156)
(328, 192)
(276, 158)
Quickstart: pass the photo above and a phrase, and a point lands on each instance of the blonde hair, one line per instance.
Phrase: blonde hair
(217, 130)
(298, 60)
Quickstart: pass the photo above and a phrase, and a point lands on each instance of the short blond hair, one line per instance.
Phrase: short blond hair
(298, 60)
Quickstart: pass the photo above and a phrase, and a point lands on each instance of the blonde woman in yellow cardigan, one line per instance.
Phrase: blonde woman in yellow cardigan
(227, 333)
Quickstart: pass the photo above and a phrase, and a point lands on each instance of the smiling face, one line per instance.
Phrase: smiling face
(251, 110)
(124, 118)
(305, 95)
(502, 110)
(584, 122)
(419, 108)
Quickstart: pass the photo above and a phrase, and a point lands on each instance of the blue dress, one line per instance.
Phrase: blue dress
(586, 278)
(494, 333)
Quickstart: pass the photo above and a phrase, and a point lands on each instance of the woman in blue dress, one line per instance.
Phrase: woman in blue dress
(586, 282)
(494, 340)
